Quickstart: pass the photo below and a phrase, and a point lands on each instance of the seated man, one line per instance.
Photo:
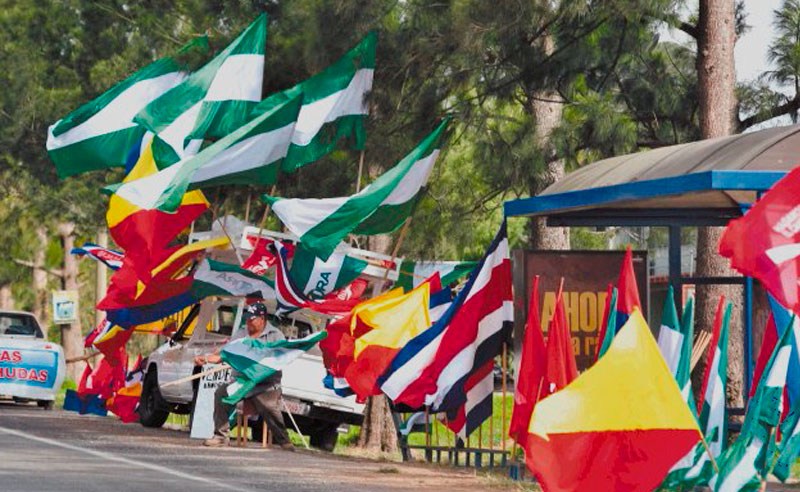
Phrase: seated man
(265, 397)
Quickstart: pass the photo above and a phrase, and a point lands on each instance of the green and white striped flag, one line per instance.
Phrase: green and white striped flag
(750, 458)
(334, 106)
(212, 102)
(250, 155)
(679, 340)
(379, 208)
(99, 134)
(413, 273)
(317, 277)
(214, 278)
(713, 415)
(255, 361)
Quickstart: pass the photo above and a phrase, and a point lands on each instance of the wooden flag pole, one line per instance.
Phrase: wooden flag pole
(225, 230)
(360, 170)
(195, 376)
(503, 426)
(396, 249)
(247, 207)
(708, 452)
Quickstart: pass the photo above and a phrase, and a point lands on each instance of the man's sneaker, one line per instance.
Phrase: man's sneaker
(216, 442)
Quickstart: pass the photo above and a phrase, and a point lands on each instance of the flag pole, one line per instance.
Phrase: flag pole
(360, 170)
(225, 230)
(396, 249)
(247, 207)
(708, 452)
(503, 425)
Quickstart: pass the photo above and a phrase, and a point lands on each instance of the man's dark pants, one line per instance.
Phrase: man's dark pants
(267, 404)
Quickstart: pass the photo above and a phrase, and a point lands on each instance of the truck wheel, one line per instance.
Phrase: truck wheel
(153, 411)
(325, 438)
(45, 404)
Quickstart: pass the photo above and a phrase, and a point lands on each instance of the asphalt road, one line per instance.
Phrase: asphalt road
(43, 451)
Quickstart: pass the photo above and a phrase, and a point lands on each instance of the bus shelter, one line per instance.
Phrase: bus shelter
(704, 183)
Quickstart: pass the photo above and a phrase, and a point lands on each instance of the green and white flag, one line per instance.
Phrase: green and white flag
(670, 338)
(379, 208)
(212, 102)
(679, 339)
(750, 458)
(713, 415)
(317, 277)
(334, 106)
(99, 134)
(214, 278)
(255, 361)
(250, 155)
(413, 273)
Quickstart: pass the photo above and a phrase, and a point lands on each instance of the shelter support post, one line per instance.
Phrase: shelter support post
(747, 367)
(675, 264)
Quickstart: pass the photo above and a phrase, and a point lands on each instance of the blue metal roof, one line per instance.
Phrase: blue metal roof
(631, 192)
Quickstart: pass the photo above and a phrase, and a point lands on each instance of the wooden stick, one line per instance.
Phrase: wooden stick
(360, 169)
(247, 208)
(427, 428)
(708, 451)
(699, 348)
(296, 428)
(195, 376)
(397, 247)
(81, 358)
(503, 426)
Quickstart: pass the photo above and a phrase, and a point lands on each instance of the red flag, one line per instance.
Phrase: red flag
(561, 366)
(627, 289)
(531, 373)
(765, 242)
(261, 259)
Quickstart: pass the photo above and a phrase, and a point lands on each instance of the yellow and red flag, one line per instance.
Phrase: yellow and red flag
(619, 426)
(144, 234)
(387, 326)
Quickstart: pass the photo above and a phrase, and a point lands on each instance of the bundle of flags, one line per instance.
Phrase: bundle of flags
(620, 425)
(620, 303)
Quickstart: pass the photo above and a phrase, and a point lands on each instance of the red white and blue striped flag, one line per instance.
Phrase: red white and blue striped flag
(110, 258)
(449, 366)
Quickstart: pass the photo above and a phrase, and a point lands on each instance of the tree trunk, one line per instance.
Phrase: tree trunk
(39, 280)
(378, 432)
(717, 100)
(6, 297)
(546, 108)
(71, 338)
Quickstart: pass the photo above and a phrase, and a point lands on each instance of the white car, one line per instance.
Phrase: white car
(316, 409)
(31, 368)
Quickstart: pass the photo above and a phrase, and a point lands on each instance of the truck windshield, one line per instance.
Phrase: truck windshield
(19, 324)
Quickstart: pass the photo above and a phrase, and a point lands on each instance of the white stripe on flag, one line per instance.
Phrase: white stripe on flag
(228, 81)
(670, 343)
(415, 178)
(462, 363)
(777, 376)
(177, 131)
(117, 114)
(475, 396)
(485, 275)
(347, 101)
(743, 472)
(301, 215)
(250, 153)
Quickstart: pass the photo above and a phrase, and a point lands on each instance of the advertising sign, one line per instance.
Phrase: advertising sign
(203, 416)
(586, 277)
(65, 306)
(30, 372)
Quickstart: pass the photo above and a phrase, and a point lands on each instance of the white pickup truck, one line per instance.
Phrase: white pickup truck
(31, 368)
(317, 410)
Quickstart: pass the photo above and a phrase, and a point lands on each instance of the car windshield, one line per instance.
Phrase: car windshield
(19, 324)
